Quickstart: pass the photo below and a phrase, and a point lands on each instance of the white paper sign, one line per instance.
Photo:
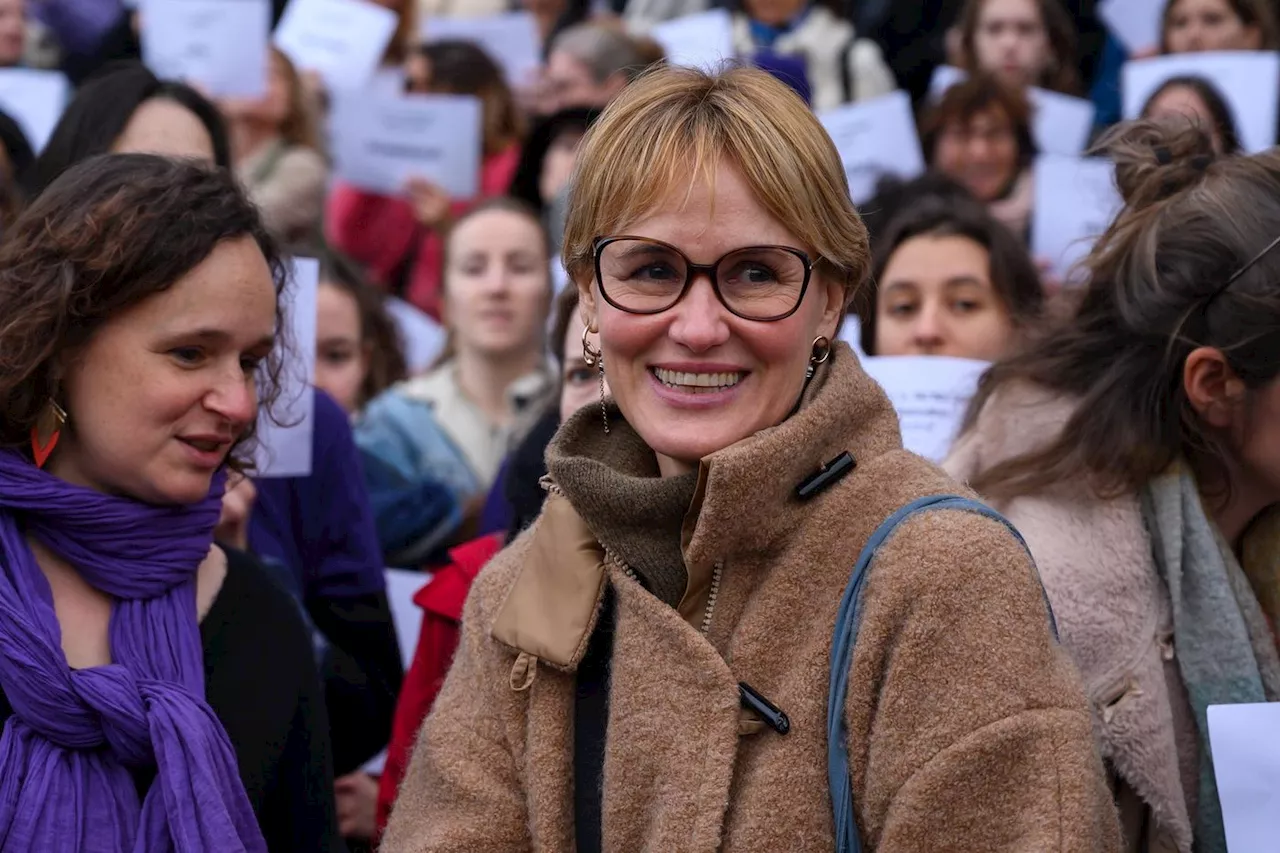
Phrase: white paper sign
(284, 448)
(402, 586)
(35, 100)
(875, 137)
(220, 45)
(1136, 23)
(379, 142)
(341, 40)
(930, 394)
(1248, 80)
(1245, 740)
(704, 40)
(1060, 124)
(851, 334)
(1075, 200)
(512, 40)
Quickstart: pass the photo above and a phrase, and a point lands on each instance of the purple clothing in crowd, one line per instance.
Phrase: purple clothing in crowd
(320, 528)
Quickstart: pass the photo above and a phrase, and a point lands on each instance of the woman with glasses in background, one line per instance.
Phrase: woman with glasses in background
(647, 667)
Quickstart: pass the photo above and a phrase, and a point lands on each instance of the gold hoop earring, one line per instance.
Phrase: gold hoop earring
(590, 354)
(820, 353)
(595, 358)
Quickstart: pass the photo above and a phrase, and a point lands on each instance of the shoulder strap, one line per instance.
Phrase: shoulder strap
(848, 619)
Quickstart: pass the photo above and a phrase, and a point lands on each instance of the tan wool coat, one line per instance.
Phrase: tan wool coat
(967, 726)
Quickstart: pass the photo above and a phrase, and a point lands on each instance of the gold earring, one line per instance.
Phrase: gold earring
(595, 358)
(821, 352)
(47, 430)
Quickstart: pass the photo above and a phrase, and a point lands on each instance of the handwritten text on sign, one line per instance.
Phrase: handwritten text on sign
(382, 141)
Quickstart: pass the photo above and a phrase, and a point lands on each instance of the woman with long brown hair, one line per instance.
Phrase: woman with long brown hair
(277, 152)
(1137, 448)
(1021, 42)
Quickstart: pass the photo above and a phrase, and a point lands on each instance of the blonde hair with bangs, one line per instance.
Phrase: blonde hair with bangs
(673, 125)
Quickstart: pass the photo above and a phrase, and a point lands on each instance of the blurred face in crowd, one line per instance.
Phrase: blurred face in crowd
(1011, 41)
(568, 82)
(342, 354)
(163, 126)
(1200, 25)
(774, 12)
(695, 378)
(161, 392)
(981, 153)
(557, 166)
(497, 284)
(13, 31)
(936, 297)
(580, 384)
(1182, 103)
(274, 106)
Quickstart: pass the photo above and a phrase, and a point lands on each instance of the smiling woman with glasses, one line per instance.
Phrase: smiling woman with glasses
(655, 664)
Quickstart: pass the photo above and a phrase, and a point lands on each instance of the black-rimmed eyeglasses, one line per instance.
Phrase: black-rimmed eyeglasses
(643, 276)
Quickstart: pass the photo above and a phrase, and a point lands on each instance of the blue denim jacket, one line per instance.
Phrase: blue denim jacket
(418, 479)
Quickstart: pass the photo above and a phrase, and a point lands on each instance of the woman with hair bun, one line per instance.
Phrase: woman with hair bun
(1137, 448)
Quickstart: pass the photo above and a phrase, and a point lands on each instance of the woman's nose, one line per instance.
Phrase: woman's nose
(234, 398)
(928, 333)
(700, 322)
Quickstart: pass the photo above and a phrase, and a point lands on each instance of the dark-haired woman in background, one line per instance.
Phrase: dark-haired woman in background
(948, 279)
(1020, 42)
(399, 239)
(1192, 26)
(1137, 448)
(979, 133)
(16, 158)
(159, 691)
(127, 108)
(1197, 99)
(358, 349)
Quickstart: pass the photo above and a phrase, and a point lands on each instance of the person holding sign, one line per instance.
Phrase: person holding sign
(979, 134)
(1192, 26)
(646, 668)
(399, 239)
(841, 65)
(1021, 42)
(277, 153)
(1137, 447)
(153, 685)
(948, 279)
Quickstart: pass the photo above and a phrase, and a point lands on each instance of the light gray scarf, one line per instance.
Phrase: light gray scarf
(1226, 653)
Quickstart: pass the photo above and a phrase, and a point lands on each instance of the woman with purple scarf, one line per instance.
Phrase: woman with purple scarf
(157, 692)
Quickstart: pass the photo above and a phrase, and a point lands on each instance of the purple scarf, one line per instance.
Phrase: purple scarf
(68, 752)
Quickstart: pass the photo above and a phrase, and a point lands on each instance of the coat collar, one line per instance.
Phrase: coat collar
(745, 503)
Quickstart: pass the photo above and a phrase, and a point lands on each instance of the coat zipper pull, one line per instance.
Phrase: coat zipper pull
(774, 716)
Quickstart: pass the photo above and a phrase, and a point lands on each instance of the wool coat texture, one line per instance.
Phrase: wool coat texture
(1113, 610)
(967, 726)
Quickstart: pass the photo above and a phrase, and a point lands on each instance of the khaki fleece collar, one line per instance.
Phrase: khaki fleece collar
(745, 503)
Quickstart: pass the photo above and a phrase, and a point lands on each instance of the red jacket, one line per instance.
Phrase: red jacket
(382, 232)
(441, 601)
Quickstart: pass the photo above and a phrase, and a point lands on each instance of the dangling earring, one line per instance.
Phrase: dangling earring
(821, 352)
(595, 358)
(45, 433)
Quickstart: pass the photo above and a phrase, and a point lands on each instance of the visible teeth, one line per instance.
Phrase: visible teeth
(709, 381)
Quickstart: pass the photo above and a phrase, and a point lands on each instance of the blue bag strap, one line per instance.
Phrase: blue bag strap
(848, 619)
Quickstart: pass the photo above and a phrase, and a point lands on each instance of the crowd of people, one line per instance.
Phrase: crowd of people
(681, 586)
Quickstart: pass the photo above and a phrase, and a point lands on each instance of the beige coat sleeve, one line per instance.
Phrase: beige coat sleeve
(462, 792)
(292, 198)
(979, 736)
(871, 75)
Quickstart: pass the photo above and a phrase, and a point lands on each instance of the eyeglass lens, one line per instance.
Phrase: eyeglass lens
(647, 277)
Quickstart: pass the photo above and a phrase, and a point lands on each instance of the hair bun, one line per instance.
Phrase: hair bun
(1157, 159)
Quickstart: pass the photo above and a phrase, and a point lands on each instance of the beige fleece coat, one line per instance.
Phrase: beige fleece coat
(968, 730)
(1113, 613)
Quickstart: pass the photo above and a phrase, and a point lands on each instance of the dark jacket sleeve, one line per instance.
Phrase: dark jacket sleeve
(362, 672)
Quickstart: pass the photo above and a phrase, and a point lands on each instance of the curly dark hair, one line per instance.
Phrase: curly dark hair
(107, 234)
